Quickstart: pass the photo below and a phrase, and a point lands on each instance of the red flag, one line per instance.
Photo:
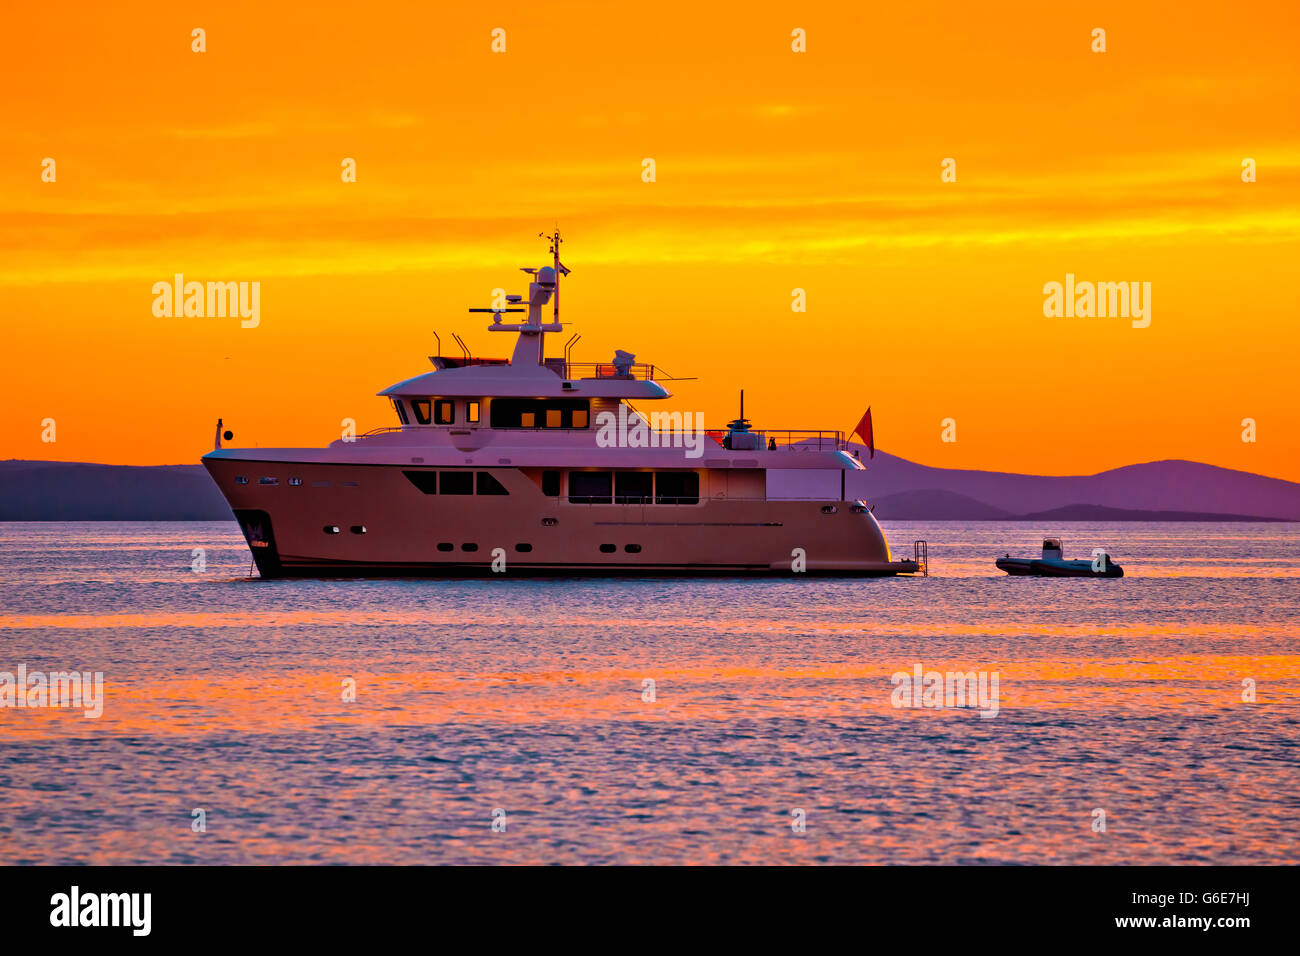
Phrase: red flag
(868, 436)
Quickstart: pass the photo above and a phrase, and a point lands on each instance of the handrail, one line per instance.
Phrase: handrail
(787, 439)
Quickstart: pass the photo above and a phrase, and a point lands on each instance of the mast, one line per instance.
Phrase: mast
(559, 269)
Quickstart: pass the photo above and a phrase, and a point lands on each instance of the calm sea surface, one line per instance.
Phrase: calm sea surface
(525, 699)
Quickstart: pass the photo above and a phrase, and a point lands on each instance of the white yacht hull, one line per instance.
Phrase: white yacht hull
(387, 526)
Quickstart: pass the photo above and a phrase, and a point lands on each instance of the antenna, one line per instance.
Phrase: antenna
(560, 270)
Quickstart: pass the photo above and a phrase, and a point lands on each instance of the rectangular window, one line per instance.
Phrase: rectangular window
(539, 412)
(471, 412)
(591, 487)
(632, 487)
(456, 483)
(268, 481)
(444, 412)
(551, 484)
(487, 484)
(401, 411)
(677, 488)
(421, 408)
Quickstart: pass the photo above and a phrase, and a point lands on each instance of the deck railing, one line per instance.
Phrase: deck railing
(788, 439)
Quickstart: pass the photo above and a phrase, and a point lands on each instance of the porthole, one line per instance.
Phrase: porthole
(331, 529)
(549, 522)
(240, 480)
(523, 548)
(268, 481)
(358, 529)
(469, 546)
(829, 509)
(295, 482)
(608, 548)
(446, 546)
(632, 548)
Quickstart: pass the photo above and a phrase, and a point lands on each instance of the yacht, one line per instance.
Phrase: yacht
(537, 464)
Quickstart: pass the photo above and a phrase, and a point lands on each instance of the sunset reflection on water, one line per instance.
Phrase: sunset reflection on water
(226, 694)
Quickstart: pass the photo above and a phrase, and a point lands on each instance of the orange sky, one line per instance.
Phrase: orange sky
(775, 170)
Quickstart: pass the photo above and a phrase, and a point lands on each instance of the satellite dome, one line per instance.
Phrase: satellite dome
(546, 275)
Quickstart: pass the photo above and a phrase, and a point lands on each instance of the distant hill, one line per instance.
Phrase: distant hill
(1158, 486)
(934, 504)
(1102, 513)
(896, 489)
(73, 491)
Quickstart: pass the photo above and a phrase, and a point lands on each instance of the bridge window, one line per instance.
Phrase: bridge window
(421, 408)
(444, 412)
(539, 412)
(401, 411)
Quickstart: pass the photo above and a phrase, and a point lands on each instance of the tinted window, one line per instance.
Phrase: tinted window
(426, 481)
(488, 485)
(677, 488)
(551, 484)
(591, 487)
(401, 412)
(444, 412)
(421, 408)
(538, 413)
(456, 483)
(632, 487)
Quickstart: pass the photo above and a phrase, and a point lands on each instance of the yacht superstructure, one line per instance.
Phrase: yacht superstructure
(542, 465)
